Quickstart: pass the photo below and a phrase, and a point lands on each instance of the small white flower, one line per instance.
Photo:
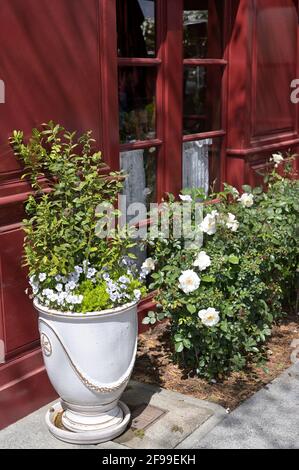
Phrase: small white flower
(70, 286)
(189, 281)
(42, 277)
(58, 278)
(209, 223)
(32, 281)
(277, 158)
(203, 261)
(232, 222)
(148, 265)
(209, 316)
(59, 287)
(246, 200)
(91, 273)
(78, 269)
(185, 197)
(235, 192)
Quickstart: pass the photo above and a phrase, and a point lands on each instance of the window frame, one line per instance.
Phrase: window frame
(169, 62)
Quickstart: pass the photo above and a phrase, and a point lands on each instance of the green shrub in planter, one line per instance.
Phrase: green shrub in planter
(224, 296)
(70, 267)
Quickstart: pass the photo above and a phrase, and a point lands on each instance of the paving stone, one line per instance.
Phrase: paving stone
(162, 420)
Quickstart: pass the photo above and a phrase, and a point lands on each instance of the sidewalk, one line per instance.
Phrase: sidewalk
(267, 420)
(165, 420)
(161, 420)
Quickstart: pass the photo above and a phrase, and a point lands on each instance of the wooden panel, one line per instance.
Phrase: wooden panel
(263, 60)
(24, 387)
(274, 67)
(19, 317)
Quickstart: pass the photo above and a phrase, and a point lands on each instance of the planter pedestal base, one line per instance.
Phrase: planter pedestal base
(78, 428)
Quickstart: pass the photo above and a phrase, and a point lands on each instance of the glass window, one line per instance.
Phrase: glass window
(202, 99)
(203, 32)
(201, 164)
(136, 29)
(137, 103)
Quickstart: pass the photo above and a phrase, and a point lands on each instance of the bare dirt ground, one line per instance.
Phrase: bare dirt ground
(154, 365)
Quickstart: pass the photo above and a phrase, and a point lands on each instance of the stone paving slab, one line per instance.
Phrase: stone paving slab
(181, 416)
(267, 420)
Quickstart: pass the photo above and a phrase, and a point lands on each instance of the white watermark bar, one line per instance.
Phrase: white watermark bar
(2, 352)
(176, 221)
(295, 92)
(2, 92)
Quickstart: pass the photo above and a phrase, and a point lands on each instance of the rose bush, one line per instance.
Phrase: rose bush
(223, 297)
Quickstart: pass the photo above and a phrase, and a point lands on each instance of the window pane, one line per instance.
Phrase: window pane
(137, 103)
(203, 32)
(136, 35)
(201, 164)
(202, 99)
(140, 165)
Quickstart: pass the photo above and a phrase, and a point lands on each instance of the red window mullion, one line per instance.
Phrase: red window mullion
(109, 82)
(170, 96)
(138, 61)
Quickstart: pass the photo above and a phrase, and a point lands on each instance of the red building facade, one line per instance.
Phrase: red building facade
(174, 85)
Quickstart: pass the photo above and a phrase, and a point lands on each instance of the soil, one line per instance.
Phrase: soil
(154, 365)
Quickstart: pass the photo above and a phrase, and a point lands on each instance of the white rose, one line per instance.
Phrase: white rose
(277, 158)
(189, 281)
(209, 316)
(246, 200)
(232, 222)
(148, 265)
(185, 197)
(203, 261)
(209, 223)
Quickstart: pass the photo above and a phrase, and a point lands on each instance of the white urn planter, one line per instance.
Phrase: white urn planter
(89, 359)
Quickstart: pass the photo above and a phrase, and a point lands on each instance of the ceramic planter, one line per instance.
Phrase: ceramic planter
(89, 359)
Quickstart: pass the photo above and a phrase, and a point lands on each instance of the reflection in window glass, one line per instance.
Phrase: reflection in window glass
(136, 28)
(201, 164)
(203, 32)
(202, 99)
(137, 103)
(140, 166)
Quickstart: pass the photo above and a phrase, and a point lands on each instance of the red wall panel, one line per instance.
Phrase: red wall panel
(274, 66)
(263, 61)
(49, 63)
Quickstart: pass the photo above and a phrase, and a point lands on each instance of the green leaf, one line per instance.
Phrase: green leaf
(233, 259)
(178, 337)
(191, 308)
(246, 188)
(207, 278)
(179, 347)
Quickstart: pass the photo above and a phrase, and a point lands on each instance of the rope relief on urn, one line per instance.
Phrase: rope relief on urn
(92, 385)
